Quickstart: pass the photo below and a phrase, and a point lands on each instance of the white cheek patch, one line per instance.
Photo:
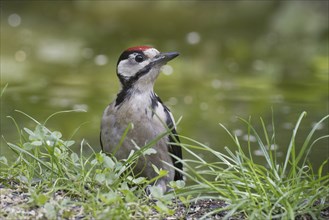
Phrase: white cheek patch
(152, 52)
(129, 68)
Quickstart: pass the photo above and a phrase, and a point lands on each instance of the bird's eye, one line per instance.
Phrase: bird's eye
(139, 58)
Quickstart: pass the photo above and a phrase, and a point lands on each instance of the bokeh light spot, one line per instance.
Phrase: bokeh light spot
(101, 60)
(193, 38)
(204, 106)
(20, 56)
(216, 83)
(167, 69)
(188, 99)
(14, 20)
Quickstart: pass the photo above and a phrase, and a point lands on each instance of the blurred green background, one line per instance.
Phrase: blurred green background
(238, 59)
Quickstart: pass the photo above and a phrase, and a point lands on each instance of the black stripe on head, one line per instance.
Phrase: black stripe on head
(125, 55)
(127, 84)
(129, 81)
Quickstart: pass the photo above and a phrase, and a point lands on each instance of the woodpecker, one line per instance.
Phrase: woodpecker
(137, 104)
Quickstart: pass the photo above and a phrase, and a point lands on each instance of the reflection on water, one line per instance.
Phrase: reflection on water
(237, 60)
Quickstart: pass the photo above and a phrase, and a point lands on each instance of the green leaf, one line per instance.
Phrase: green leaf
(31, 134)
(139, 180)
(74, 157)
(68, 143)
(56, 134)
(180, 184)
(124, 186)
(3, 160)
(40, 131)
(131, 154)
(28, 131)
(149, 151)
(129, 195)
(28, 146)
(156, 191)
(108, 162)
(100, 157)
(110, 197)
(161, 207)
(41, 199)
(50, 211)
(58, 153)
(155, 169)
(111, 178)
(120, 168)
(185, 200)
(94, 162)
(36, 143)
(163, 173)
(100, 178)
(50, 143)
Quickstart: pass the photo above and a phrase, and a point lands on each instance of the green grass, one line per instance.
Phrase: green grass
(274, 190)
(98, 186)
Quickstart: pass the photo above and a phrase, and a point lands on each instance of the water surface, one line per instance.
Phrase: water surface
(240, 59)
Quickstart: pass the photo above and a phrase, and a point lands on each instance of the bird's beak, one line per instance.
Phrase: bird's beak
(163, 58)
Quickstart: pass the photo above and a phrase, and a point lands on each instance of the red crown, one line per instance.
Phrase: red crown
(142, 48)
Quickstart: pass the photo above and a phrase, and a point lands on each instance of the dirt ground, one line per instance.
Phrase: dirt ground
(13, 204)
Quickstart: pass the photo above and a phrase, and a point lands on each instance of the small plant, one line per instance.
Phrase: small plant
(98, 184)
(260, 191)
(56, 182)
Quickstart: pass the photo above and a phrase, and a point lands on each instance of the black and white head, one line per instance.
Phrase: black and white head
(138, 67)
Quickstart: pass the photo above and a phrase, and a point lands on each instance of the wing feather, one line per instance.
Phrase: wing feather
(173, 148)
